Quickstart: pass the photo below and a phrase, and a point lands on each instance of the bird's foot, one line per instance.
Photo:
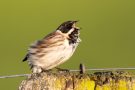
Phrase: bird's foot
(47, 71)
(62, 70)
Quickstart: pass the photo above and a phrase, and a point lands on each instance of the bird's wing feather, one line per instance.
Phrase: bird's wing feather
(47, 42)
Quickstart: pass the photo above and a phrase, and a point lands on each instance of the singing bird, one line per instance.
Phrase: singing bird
(54, 49)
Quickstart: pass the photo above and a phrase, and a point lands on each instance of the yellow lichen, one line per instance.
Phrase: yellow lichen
(85, 84)
(122, 85)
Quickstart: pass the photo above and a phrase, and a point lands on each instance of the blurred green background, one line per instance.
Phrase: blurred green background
(108, 33)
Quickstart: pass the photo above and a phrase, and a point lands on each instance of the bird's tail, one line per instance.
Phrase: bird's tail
(26, 57)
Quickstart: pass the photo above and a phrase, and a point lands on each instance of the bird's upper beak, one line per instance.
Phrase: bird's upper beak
(74, 25)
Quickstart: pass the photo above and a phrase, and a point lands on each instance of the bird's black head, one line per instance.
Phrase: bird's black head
(71, 30)
(66, 26)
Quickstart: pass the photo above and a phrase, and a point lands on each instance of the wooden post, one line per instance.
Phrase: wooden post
(117, 80)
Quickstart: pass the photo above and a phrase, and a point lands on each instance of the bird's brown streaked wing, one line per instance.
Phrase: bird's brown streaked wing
(47, 42)
(51, 40)
(53, 37)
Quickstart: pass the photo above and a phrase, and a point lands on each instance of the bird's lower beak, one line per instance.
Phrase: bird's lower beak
(74, 25)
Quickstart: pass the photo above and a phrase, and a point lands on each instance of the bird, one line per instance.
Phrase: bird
(55, 48)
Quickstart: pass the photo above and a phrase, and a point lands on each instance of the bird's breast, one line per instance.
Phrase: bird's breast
(57, 55)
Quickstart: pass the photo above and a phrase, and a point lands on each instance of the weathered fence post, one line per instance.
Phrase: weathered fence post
(108, 80)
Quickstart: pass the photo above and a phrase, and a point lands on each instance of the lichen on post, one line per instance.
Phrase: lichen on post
(108, 80)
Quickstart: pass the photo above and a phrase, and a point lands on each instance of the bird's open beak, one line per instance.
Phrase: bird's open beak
(74, 25)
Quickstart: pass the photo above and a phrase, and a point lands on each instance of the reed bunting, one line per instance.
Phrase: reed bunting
(54, 49)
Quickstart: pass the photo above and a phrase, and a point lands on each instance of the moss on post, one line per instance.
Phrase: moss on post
(72, 81)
